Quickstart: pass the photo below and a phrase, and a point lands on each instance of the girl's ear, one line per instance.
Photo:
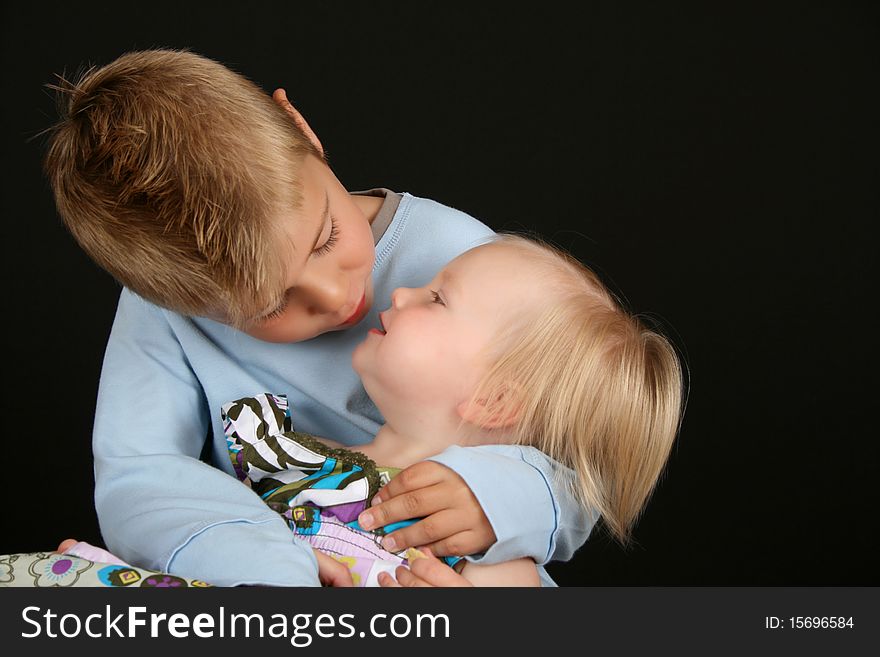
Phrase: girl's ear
(280, 98)
(499, 410)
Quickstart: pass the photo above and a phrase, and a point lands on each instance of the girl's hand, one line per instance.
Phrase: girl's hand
(453, 522)
(423, 572)
(332, 572)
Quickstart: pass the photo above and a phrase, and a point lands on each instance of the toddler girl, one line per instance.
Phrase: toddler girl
(513, 342)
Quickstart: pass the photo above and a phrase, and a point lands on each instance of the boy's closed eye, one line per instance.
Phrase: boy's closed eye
(325, 248)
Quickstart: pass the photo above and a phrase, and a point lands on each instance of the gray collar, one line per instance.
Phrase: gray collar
(386, 212)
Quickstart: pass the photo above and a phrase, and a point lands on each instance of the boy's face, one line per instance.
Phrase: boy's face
(436, 339)
(329, 287)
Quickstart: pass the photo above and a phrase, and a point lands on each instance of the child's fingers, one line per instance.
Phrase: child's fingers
(331, 572)
(411, 504)
(416, 476)
(439, 526)
(66, 544)
(436, 573)
(458, 544)
(403, 507)
(341, 578)
(408, 579)
(388, 582)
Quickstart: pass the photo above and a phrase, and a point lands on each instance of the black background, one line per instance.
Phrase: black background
(717, 167)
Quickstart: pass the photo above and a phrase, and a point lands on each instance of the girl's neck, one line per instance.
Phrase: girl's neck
(395, 450)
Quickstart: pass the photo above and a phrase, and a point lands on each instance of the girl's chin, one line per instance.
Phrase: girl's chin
(356, 359)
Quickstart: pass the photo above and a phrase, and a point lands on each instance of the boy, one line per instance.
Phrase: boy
(247, 267)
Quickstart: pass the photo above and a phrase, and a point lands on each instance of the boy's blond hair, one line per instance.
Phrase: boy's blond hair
(170, 171)
(590, 385)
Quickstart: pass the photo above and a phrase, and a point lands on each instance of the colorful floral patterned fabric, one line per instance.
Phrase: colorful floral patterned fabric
(51, 569)
(320, 490)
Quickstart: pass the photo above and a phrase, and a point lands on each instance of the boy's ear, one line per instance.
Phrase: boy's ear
(280, 97)
(500, 410)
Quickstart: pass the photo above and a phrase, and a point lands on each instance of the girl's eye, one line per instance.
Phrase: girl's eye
(334, 236)
(436, 298)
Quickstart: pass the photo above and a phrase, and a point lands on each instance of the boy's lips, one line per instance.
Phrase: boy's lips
(358, 311)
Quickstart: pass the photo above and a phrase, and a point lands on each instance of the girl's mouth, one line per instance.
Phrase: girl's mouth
(381, 331)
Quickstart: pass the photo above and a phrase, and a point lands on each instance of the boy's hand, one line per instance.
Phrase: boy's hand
(332, 572)
(453, 523)
(424, 571)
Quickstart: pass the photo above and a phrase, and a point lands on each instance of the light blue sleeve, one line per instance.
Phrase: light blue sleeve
(526, 497)
(159, 507)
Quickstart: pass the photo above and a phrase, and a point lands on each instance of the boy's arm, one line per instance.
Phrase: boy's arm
(427, 570)
(159, 506)
(519, 572)
(525, 496)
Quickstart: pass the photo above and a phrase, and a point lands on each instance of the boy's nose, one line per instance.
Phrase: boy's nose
(326, 294)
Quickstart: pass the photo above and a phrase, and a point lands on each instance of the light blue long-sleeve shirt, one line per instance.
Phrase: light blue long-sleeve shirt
(165, 377)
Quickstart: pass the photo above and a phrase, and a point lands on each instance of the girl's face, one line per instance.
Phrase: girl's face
(328, 282)
(433, 350)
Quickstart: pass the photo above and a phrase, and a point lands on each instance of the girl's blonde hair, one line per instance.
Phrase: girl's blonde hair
(592, 387)
(171, 170)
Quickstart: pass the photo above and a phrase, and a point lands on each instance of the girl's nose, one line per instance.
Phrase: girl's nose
(401, 297)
